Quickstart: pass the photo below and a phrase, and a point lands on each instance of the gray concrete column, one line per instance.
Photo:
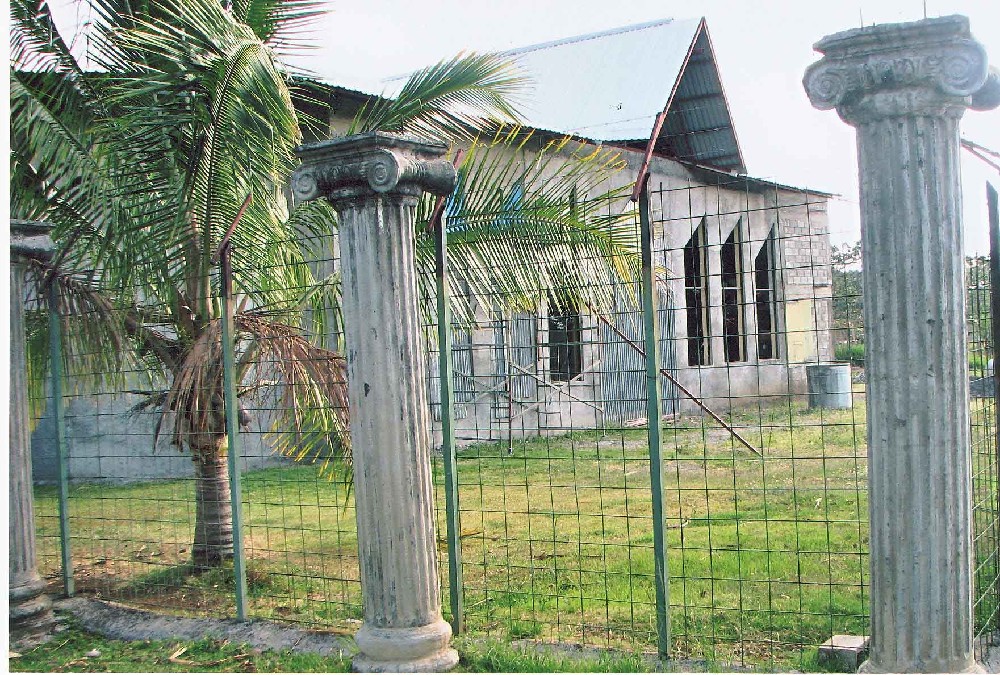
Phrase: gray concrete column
(905, 87)
(374, 182)
(30, 609)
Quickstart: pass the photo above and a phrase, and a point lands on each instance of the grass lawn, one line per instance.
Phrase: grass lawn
(767, 556)
(77, 650)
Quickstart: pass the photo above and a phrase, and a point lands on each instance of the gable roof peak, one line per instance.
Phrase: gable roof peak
(609, 87)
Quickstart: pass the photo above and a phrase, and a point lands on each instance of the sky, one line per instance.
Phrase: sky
(762, 47)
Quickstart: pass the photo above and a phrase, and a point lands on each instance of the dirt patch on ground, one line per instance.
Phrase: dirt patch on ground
(124, 623)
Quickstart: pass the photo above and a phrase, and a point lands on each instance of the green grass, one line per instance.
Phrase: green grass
(767, 557)
(67, 652)
(492, 656)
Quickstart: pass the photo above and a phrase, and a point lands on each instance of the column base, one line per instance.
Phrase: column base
(423, 649)
(30, 610)
(441, 662)
(951, 667)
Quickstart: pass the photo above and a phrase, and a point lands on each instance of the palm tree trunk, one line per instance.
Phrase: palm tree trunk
(213, 530)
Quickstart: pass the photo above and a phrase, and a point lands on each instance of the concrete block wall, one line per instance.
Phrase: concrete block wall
(109, 444)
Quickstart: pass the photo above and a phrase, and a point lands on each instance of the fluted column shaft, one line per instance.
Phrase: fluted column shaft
(905, 87)
(918, 413)
(30, 609)
(386, 375)
(374, 182)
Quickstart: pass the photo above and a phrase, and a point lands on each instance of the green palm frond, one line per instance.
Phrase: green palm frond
(527, 222)
(454, 99)
(35, 43)
(278, 22)
(143, 164)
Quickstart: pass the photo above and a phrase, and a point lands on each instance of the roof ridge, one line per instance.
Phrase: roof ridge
(591, 36)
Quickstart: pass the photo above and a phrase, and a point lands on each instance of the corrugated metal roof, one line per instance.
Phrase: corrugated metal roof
(606, 86)
(610, 86)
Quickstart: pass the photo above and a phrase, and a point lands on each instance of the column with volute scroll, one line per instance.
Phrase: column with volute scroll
(905, 87)
(374, 182)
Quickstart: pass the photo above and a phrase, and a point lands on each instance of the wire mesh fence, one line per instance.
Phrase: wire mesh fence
(554, 499)
(983, 416)
(131, 502)
(771, 539)
(761, 391)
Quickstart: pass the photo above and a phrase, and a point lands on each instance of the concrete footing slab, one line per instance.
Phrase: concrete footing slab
(844, 653)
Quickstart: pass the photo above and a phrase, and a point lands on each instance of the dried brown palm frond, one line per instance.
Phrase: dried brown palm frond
(107, 342)
(313, 419)
(306, 384)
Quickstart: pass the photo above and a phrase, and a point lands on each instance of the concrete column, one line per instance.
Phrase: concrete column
(30, 608)
(374, 182)
(905, 87)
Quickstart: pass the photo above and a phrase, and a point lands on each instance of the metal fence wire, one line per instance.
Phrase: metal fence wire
(733, 531)
(980, 273)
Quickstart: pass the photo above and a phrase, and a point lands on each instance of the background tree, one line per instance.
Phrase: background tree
(848, 303)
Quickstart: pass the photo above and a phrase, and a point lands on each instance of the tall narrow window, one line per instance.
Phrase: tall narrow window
(765, 277)
(732, 296)
(696, 298)
(565, 339)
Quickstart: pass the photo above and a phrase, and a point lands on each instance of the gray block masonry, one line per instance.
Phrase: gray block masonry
(108, 443)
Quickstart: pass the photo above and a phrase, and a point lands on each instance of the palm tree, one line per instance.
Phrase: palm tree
(182, 121)
(181, 127)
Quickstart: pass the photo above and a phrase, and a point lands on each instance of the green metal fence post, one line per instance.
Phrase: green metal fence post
(653, 415)
(62, 460)
(454, 526)
(993, 217)
(232, 430)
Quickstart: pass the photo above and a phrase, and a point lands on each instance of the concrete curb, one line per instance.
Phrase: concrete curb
(124, 623)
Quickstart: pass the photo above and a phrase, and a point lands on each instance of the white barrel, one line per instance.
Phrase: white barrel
(829, 385)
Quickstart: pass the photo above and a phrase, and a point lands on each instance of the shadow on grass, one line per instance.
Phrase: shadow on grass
(219, 578)
(163, 578)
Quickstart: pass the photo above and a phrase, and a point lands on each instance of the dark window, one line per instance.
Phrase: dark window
(463, 381)
(732, 296)
(565, 340)
(765, 276)
(696, 298)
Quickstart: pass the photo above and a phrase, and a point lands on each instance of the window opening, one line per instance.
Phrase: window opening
(696, 298)
(565, 339)
(765, 276)
(733, 329)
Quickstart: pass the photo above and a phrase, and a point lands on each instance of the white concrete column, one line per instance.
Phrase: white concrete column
(905, 87)
(30, 609)
(374, 182)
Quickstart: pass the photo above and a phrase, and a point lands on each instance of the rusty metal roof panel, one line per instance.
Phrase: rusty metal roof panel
(699, 127)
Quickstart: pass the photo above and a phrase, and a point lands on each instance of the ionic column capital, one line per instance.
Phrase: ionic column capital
(359, 168)
(932, 67)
